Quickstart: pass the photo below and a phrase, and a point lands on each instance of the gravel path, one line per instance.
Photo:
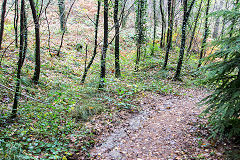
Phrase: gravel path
(162, 130)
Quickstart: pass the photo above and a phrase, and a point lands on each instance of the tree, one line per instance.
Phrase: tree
(195, 27)
(117, 26)
(206, 31)
(171, 4)
(37, 43)
(105, 46)
(186, 14)
(22, 53)
(16, 17)
(95, 44)
(162, 43)
(224, 75)
(4, 3)
(140, 28)
(154, 26)
(62, 16)
(217, 23)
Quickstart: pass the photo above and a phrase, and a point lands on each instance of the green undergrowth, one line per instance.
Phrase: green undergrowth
(52, 115)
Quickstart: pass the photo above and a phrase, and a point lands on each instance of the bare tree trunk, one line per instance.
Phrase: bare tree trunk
(162, 43)
(95, 45)
(140, 32)
(195, 27)
(171, 4)
(16, 17)
(183, 41)
(62, 16)
(4, 4)
(217, 23)
(206, 30)
(105, 46)
(37, 43)
(224, 20)
(154, 26)
(117, 26)
(22, 51)
(64, 31)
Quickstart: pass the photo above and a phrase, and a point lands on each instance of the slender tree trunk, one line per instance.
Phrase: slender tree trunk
(195, 27)
(162, 43)
(183, 41)
(217, 23)
(16, 17)
(206, 31)
(105, 46)
(4, 4)
(96, 43)
(216, 28)
(22, 51)
(37, 43)
(140, 32)
(116, 22)
(233, 22)
(64, 31)
(224, 20)
(170, 30)
(62, 16)
(154, 26)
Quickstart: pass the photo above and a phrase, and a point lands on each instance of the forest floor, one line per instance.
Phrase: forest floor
(166, 128)
(143, 115)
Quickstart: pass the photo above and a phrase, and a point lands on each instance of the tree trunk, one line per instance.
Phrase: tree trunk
(224, 20)
(62, 16)
(96, 43)
(206, 30)
(140, 30)
(22, 51)
(116, 23)
(162, 43)
(183, 41)
(37, 39)
(16, 17)
(105, 46)
(170, 30)
(154, 26)
(195, 27)
(216, 28)
(4, 4)
(217, 23)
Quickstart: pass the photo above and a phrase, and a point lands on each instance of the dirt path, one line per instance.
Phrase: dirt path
(163, 130)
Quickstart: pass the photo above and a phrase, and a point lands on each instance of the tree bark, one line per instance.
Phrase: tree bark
(162, 43)
(206, 30)
(117, 36)
(105, 46)
(140, 32)
(22, 51)
(37, 43)
(171, 4)
(195, 27)
(154, 26)
(96, 43)
(16, 17)
(4, 4)
(183, 41)
(62, 16)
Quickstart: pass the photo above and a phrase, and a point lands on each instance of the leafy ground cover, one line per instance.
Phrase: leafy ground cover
(61, 118)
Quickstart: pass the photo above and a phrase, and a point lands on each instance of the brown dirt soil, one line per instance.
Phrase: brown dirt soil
(165, 129)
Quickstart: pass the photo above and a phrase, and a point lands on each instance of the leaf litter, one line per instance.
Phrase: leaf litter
(167, 127)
